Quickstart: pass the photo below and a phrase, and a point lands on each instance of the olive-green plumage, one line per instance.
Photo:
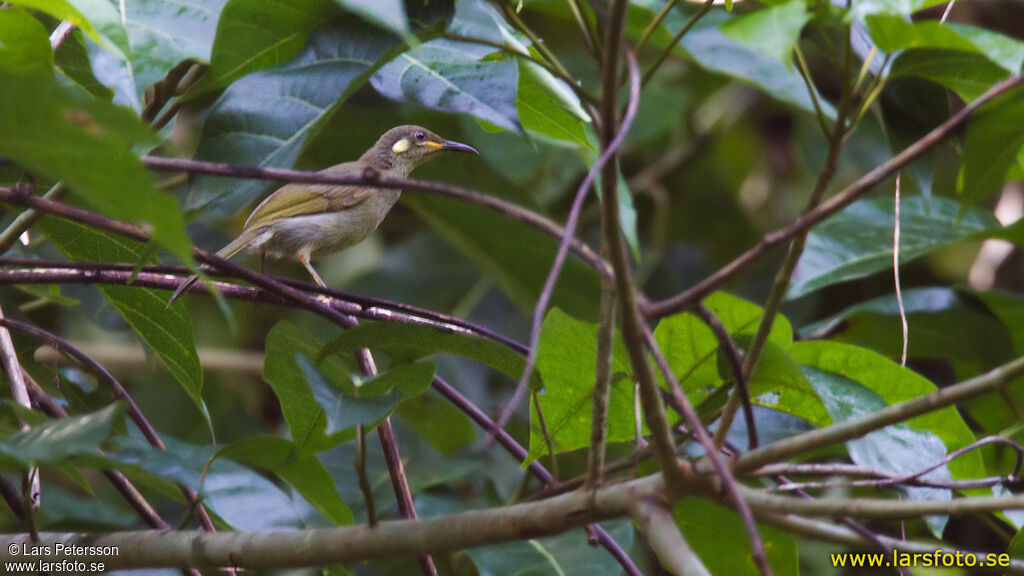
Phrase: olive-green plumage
(308, 220)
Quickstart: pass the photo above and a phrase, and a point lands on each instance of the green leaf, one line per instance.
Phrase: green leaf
(438, 422)
(167, 330)
(25, 45)
(1009, 308)
(454, 76)
(542, 114)
(158, 35)
(692, 351)
(780, 384)
(905, 8)
(979, 339)
(406, 342)
(968, 74)
(774, 30)
(72, 59)
(892, 33)
(56, 441)
(858, 241)
(1003, 50)
(369, 403)
(257, 34)
(306, 418)
(515, 257)
(837, 365)
(302, 471)
(564, 555)
(715, 52)
(293, 101)
(99, 19)
(993, 140)
(85, 144)
(718, 536)
(389, 14)
(567, 361)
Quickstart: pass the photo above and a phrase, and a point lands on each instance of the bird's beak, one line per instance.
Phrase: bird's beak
(450, 146)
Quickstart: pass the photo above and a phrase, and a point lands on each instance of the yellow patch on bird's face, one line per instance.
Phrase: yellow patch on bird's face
(432, 144)
(401, 146)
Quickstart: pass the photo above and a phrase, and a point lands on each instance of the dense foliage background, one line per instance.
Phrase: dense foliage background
(736, 135)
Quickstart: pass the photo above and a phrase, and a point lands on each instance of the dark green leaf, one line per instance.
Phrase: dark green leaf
(369, 403)
(58, 440)
(565, 555)
(257, 34)
(718, 536)
(542, 114)
(858, 241)
(567, 361)
(167, 330)
(387, 13)
(406, 342)
(25, 46)
(455, 77)
(305, 417)
(293, 101)
(773, 30)
(72, 60)
(993, 141)
(301, 470)
(966, 73)
(85, 144)
(979, 339)
(439, 422)
(1009, 308)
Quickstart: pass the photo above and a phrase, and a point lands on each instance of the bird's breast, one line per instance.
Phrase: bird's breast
(332, 231)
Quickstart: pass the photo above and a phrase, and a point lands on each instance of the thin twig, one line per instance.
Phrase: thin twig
(733, 355)
(563, 250)
(896, 271)
(602, 386)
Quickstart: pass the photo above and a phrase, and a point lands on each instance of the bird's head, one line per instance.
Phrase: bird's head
(403, 148)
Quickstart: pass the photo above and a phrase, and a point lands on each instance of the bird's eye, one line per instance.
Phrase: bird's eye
(420, 136)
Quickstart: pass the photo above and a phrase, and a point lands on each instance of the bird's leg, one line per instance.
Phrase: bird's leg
(304, 258)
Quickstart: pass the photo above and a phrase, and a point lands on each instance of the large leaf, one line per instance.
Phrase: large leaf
(994, 138)
(25, 45)
(265, 118)
(369, 403)
(166, 329)
(718, 536)
(453, 76)
(841, 364)
(387, 13)
(542, 114)
(405, 342)
(567, 361)
(892, 33)
(564, 555)
(858, 241)
(773, 30)
(692, 351)
(50, 130)
(302, 471)
(966, 73)
(54, 442)
(306, 418)
(979, 339)
(257, 34)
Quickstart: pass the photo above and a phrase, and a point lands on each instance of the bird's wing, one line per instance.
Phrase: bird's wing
(305, 200)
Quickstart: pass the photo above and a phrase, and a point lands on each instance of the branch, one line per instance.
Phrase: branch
(878, 508)
(19, 390)
(656, 522)
(376, 181)
(346, 544)
(827, 208)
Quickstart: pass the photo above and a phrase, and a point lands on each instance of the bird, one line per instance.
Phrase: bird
(310, 220)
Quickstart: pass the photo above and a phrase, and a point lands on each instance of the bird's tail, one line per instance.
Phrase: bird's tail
(236, 246)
